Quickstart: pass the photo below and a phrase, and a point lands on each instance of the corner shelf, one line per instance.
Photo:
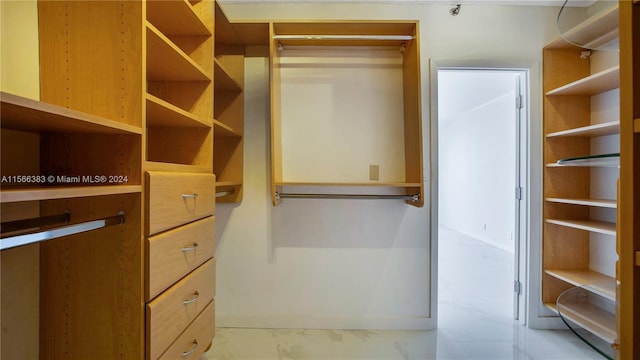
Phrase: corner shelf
(176, 18)
(223, 80)
(172, 63)
(223, 130)
(596, 31)
(164, 114)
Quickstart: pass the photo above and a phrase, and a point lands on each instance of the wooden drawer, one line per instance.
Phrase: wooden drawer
(173, 199)
(174, 253)
(195, 339)
(171, 312)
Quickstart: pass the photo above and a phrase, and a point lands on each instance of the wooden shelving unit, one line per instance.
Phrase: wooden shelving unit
(577, 220)
(228, 116)
(289, 47)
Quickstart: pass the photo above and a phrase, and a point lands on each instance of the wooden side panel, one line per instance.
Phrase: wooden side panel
(628, 239)
(90, 57)
(413, 116)
(92, 283)
(276, 115)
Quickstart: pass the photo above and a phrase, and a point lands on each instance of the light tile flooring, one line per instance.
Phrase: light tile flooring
(475, 322)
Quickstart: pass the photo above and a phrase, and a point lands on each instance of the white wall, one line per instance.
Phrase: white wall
(340, 263)
(476, 158)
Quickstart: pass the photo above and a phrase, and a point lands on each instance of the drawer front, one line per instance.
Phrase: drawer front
(174, 253)
(195, 339)
(171, 312)
(174, 199)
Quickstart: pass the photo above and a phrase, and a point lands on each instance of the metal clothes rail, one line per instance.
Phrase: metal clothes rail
(34, 237)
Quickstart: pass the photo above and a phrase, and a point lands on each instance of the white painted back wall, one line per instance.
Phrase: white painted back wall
(342, 263)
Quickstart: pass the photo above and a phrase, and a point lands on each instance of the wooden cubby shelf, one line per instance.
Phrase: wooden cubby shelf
(591, 85)
(223, 130)
(598, 30)
(596, 282)
(597, 226)
(223, 80)
(609, 128)
(176, 18)
(593, 318)
(363, 184)
(603, 203)
(167, 62)
(164, 114)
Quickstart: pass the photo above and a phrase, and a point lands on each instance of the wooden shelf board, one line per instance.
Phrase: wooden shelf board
(222, 79)
(160, 166)
(367, 184)
(551, 306)
(601, 227)
(176, 18)
(595, 282)
(224, 130)
(228, 183)
(592, 318)
(609, 128)
(162, 113)
(597, 83)
(167, 62)
(586, 202)
(35, 194)
(19, 113)
(636, 125)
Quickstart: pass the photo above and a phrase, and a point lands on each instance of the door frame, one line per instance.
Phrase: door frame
(530, 213)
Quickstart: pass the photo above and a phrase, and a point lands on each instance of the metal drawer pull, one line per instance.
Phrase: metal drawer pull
(190, 196)
(197, 295)
(190, 248)
(192, 350)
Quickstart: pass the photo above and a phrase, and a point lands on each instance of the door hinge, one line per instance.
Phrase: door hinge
(518, 193)
(519, 102)
(517, 287)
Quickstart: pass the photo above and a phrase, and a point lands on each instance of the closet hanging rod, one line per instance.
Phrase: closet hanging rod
(19, 240)
(345, 37)
(414, 198)
(26, 224)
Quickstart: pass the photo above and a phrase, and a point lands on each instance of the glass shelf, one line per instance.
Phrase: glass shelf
(599, 160)
(591, 317)
(593, 27)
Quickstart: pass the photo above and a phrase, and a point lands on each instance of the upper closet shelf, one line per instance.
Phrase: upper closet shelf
(597, 31)
(596, 226)
(167, 62)
(609, 128)
(344, 34)
(176, 18)
(19, 113)
(592, 85)
(223, 130)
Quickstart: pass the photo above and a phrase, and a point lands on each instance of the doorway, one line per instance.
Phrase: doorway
(480, 167)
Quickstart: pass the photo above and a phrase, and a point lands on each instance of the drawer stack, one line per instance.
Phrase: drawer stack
(180, 264)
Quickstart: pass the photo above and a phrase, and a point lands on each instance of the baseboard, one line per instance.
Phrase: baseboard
(311, 322)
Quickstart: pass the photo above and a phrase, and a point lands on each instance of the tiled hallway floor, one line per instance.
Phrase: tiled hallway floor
(475, 322)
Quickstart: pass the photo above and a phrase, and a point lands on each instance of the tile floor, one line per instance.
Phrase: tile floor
(475, 322)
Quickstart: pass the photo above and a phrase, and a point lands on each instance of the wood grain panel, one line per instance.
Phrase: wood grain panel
(93, 283)
(165, 205)
(195, 339)
(167, 259)
(171, 313)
